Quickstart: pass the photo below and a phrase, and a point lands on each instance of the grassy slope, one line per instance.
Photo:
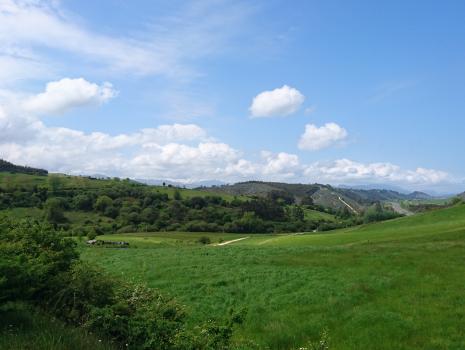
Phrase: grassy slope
(8, 180)
(22, 328)
(391, 285)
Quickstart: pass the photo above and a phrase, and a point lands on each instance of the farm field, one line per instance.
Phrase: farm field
(390, 285)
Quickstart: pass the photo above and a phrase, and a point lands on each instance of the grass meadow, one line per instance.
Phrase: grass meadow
(24, 328)
(391, 285)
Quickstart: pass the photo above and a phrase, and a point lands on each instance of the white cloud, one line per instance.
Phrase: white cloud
(278, 102)
(348, 171)
(182, 152)
(167, 46)
(315, 138)
(281, 164)
(60, 96)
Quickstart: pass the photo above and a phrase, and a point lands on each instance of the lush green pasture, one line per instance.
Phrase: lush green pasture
(170, 239)
(390, 285)
(318, 215)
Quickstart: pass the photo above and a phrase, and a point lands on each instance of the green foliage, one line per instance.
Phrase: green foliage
(12, 168)
(54, 183)
(54, 211)
(31, 254)
(38, 265)
(282, 197)
(92, 235)
(378, 213)
(297, 213)
(204, 240)
(177, 195)
(102, 203)
(249, 223)
(25, 327)
(81, 203)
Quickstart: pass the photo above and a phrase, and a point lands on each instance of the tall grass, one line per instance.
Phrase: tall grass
(24, 328)
(394, 285)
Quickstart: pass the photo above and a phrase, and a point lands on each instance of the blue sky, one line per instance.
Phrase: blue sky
(341, 92)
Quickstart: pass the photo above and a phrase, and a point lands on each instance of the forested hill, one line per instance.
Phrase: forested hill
(325, 195)
(12, 168)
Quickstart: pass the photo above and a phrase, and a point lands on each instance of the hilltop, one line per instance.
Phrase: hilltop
(324, 195)
(12, 168)
(88, 205)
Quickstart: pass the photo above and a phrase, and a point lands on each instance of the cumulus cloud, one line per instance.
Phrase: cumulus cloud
(315, 138)
(60, 96)
(281, 164)
(348, 171)
(278, 102)
(181, 152)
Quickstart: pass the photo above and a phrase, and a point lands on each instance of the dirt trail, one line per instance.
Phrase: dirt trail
(232, 241)
(281, 236)
(347, 205)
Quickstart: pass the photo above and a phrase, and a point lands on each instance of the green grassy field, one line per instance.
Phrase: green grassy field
(318, 215)
(390, 285)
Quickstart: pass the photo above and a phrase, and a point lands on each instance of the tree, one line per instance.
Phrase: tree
(297, 213)
(83, 202)
(149, 215)
(281, 197)
(111, 212)
(102, 203)
(54, 212)
(177, 195)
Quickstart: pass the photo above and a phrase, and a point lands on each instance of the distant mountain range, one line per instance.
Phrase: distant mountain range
(198, 184)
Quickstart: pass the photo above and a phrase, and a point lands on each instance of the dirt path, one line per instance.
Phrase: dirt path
(281, 236)
(347, 205)
(398, 209)
(232, 241)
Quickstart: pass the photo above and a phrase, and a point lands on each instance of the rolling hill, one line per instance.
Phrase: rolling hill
(12, 168)
(324, 195)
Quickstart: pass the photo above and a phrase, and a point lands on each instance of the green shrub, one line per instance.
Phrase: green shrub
(92, 235)
(31, 254)
(204, 240)
(54, 211)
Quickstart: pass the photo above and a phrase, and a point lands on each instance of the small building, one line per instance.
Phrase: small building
(107, 243)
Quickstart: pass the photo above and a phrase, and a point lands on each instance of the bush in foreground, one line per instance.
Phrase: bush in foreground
(39, 266)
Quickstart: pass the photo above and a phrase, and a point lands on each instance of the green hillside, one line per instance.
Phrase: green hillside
(390, 285)
(12, 168)
(324, 195)
(85, 206)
